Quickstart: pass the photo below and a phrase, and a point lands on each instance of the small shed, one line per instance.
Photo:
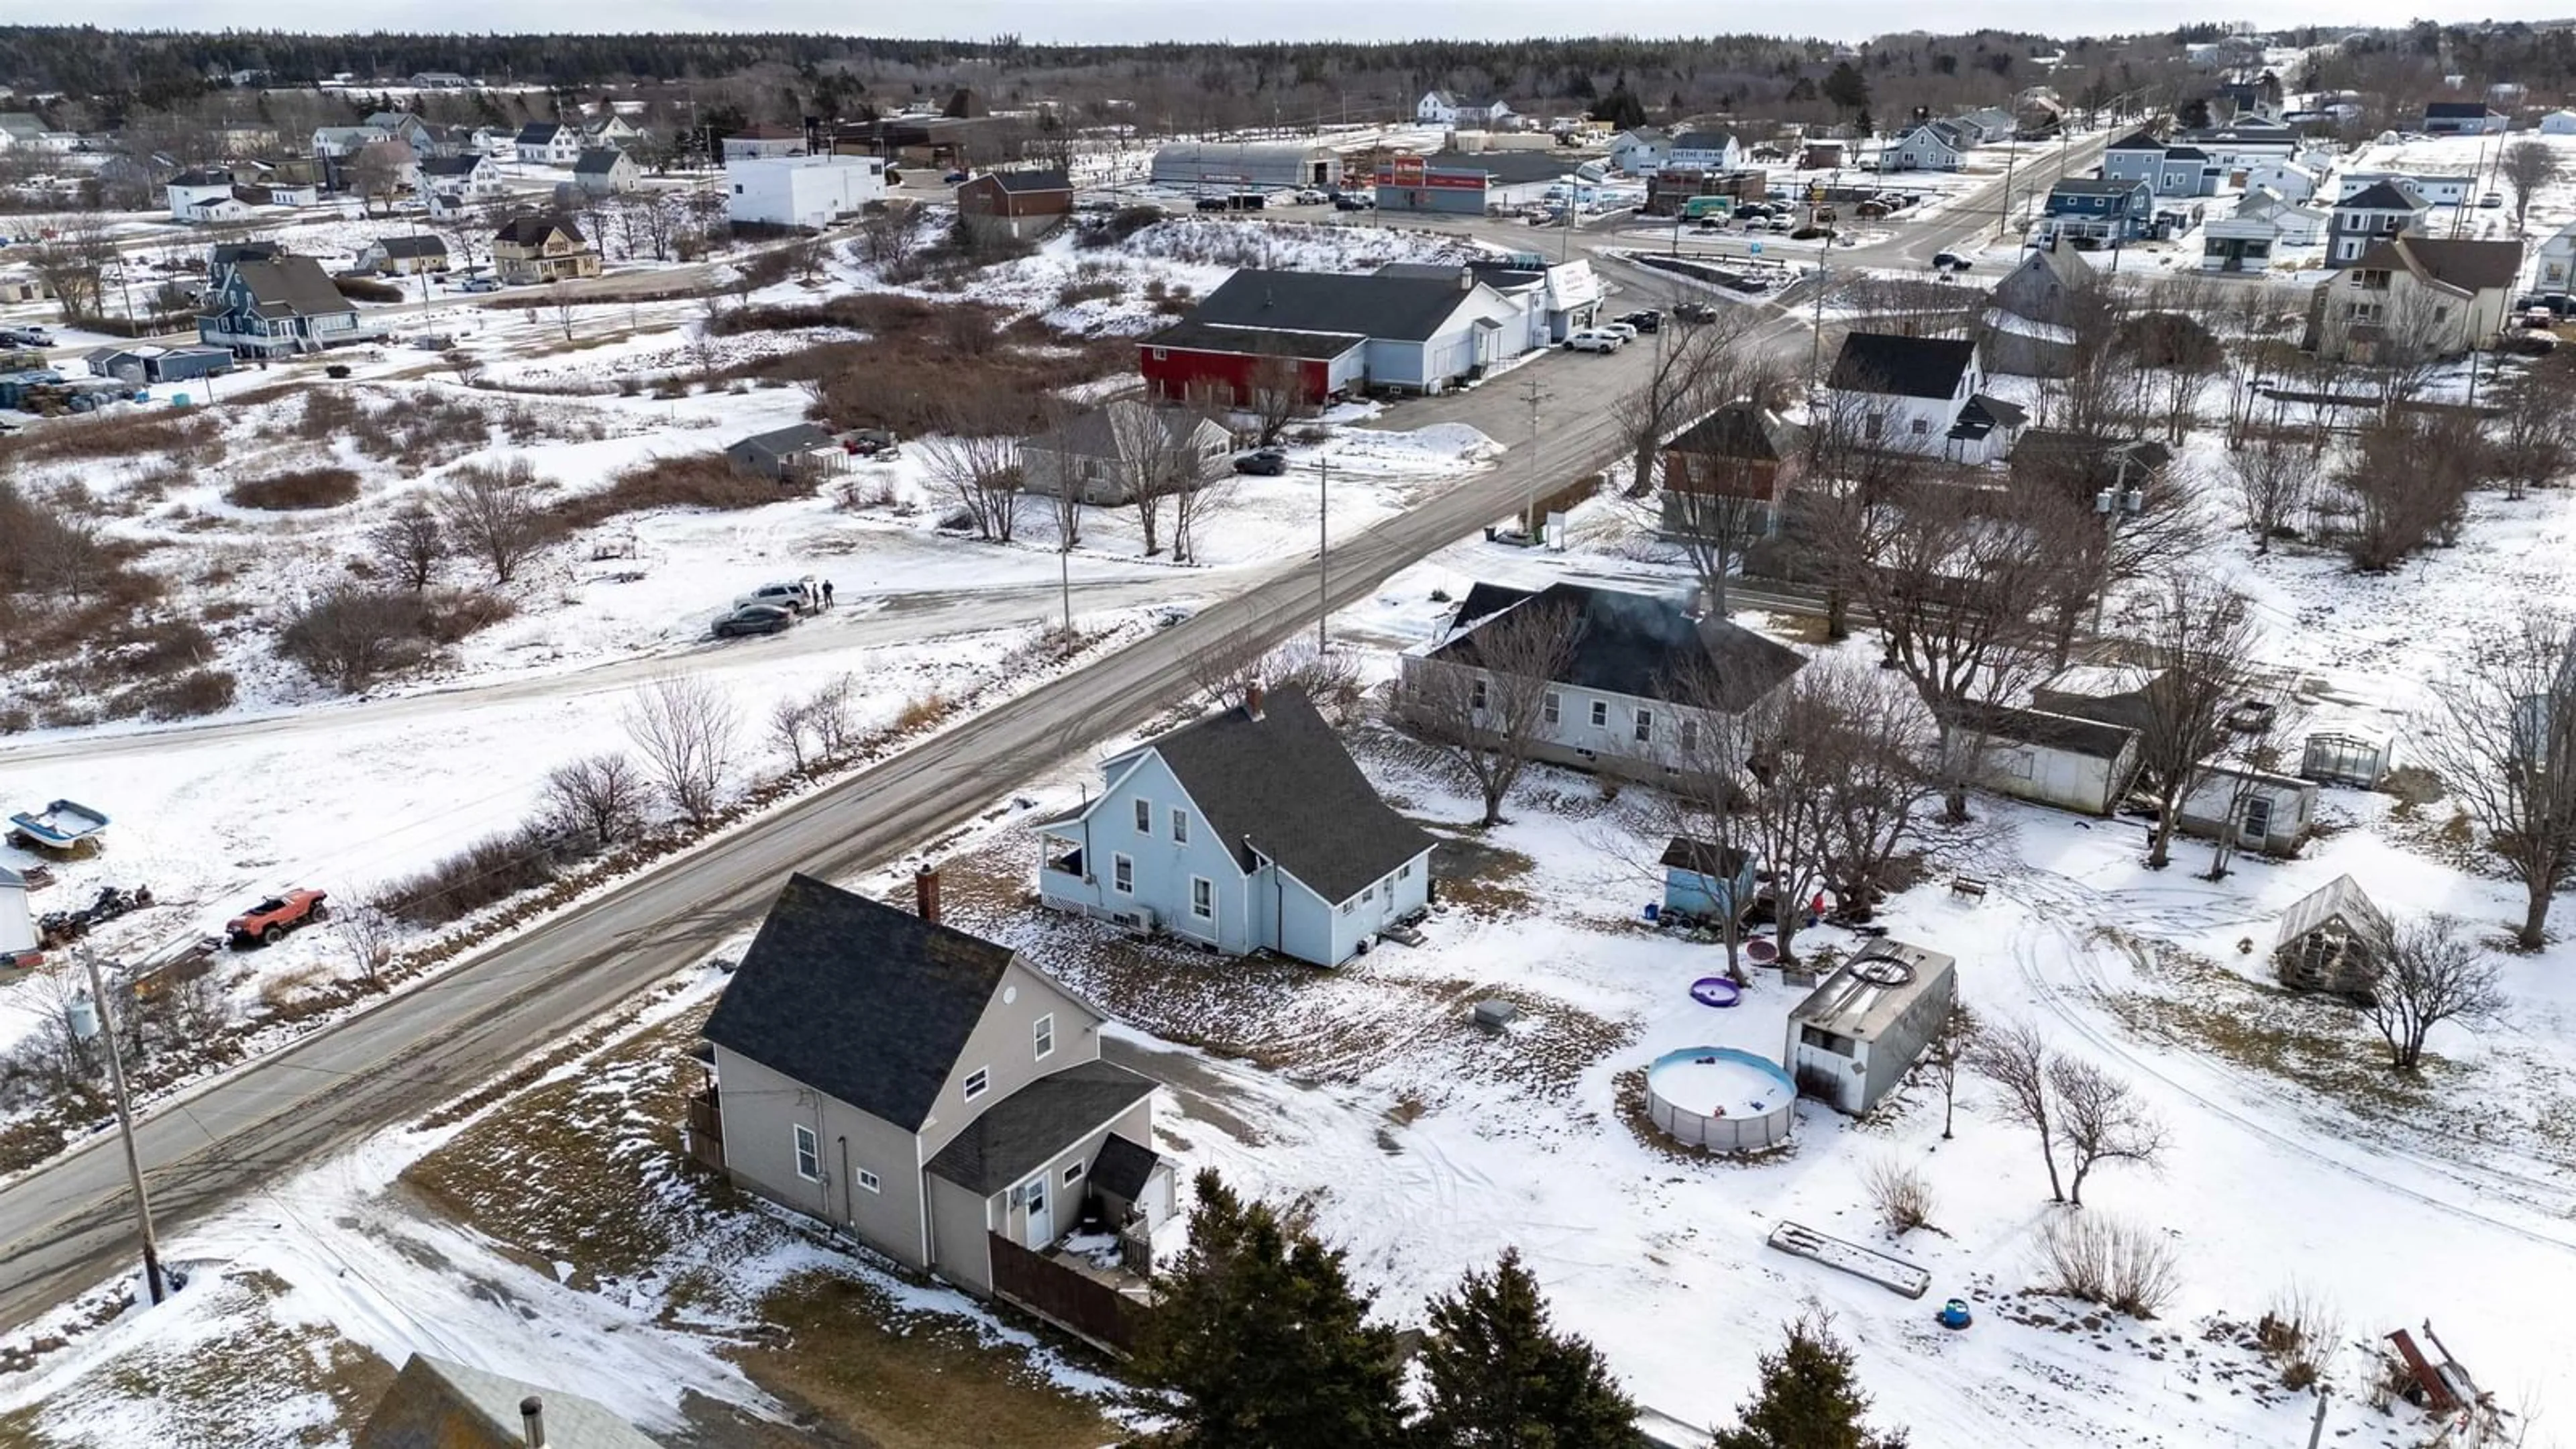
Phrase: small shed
(2341, 759)
(2267, 812)
(1706, 881)
(800, 453)
(2115, 694)
(2052, 759)
(403, 256)
(1855, 1037)
(2558, 123)
(17, 923)
(1131, 1181)
(2331, 940)
(145, 362)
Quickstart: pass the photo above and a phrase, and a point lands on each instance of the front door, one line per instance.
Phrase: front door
(2258, 820)
(1041, 1215)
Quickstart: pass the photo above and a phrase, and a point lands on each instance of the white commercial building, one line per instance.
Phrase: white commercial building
(801, 190)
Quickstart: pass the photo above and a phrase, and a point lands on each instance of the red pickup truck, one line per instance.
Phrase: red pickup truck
(269, 921)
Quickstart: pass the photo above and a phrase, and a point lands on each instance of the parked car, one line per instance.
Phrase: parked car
(267, 923)
(1348, 202)
(1777, 223)
(2491, 201)
(1309, 196)
(1595, 339)
(756, 619)
(478, 284)
(1262, 462)
(1624, 331)
(955, 178)
(804, 595)
(1694, 312)
(1644, 320)
(1211, 203)
(1948, 261)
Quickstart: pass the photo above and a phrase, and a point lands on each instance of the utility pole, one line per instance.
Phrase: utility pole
(2317, 1428)
(1323, 547)
(2003, 208)
(106, 1032)
(2114, 503)
(1816, 333)
(1532, 526)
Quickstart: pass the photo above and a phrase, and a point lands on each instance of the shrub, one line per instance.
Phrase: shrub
(2300, 1334)
(2110, 1261)
(188, 436)
(185, 696)
(1072, 293)
(305, 488)
(1899, 1193)
(450, 616)
(484, 873)
(691, 480)
(922, 711)
(352, 636)
(367, 289)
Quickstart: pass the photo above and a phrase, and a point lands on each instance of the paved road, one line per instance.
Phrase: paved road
(63, 1226)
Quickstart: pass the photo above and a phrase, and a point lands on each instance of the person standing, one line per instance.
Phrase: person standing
(827, 593)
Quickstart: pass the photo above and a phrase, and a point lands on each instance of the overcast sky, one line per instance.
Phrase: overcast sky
(1142, 20)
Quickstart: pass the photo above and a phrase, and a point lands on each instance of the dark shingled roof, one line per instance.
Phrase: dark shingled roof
(450, 165)
(2090, 738)
(1718, 862)
(532, 231)
(794, 438)
(456, 1406)
(2475, 266)
(1016, 1135)
(202, 178)
(856, 999)
(1197, 336)
(1740, 430)
(411, 246)
(539, 133)
(2097, 186)
(1030, 180)
(1283, 785)
(2458, 110)
(597, 161)
(2137, 141)
(1122, 1167)
(1636, 644)
(291, 287)
(2382, 196)
(1883, 362)
(1407, 309)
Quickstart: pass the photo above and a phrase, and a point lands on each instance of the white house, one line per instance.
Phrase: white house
(1641, 151)
(2557, 260)
(547, 143)
(2288, 180)
(1442, 108)
(801, 190)
(338, 141)
(2434, 188)
(2558, 123)
(2050, 759)
(1249, 830)
(1705, 151)
(1921, 395)
(199, 196)
(1644, 678)
(471, 177)
(605, 171)
(764, 140)
(1931, 146)
(2450, 296)
(2244, 241)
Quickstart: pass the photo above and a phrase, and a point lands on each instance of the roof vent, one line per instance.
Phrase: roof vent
(1252, 697)
(532, 1421)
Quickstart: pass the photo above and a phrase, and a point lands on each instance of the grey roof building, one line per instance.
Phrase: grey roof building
(1114, 452)
(1638, 646)
(436, 1403)
(796, 452)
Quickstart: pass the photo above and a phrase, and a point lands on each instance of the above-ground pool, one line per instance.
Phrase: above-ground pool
(1721, 1098)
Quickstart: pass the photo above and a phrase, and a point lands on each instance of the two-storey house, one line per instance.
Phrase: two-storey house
(1919, 395)
(2100, 210)
(1713, 152)
(1929, 146)
(920, 1088)
(460, 180)
(535, 249)
(1249, 830)
(548, 143)
(2370, 216)
(278, 306)
(2424, 294)
(1642, 682)
(1444, 108)
(1641, 151)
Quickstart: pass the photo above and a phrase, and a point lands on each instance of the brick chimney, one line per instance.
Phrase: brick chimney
(1252, 697)
(532, 1421)
(925, 893)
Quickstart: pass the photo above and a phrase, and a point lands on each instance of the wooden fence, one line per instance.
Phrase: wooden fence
(1064, 1297)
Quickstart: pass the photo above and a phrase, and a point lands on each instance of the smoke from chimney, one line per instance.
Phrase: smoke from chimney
(1252, 696)
(532, 1421)
(925, 893)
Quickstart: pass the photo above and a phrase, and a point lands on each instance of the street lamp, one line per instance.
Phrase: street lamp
(2114, 503)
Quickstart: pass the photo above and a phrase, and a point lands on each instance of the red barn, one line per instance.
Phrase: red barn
(1228, 361)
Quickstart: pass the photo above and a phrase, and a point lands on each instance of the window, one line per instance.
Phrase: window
(1645, 726)
(868, 1181)
(978, 1082)
(1404, 871)
(1555, 709)
(1690, 734)
(1346, 906)
(1072, 1173)
(1042, 1035)
(737, 188)
(1920, 427)
(1202, 898)
(809, 1154)
(1160, 353)
(1476, 694)
(1600, 714)
(1180, 826)
(1144, 817)
(1369, 894)
(1122, 875)
(1825, 1041)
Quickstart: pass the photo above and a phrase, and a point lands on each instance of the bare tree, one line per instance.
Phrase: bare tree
(409, 544)
(1880, 750)
(685, 728)
(974, 458)
(2203, 640)
(1947, 1053)
(563, 309)
(1794, 763)
(885, 243)
(376, 171)
(1215, 488)
(598, 798)
(2526, 166)
(353, 636)
(1899, 1193)
(2430, 973)
(1485, 707)
(2535, 439)
(2276, 476)
(2408, 483)
(1695, 369)
(2101, 1121)
(71, 257)
(1274, 396)
(366, 935)
(1158, 456)
(2015, 1057)
(492, 513)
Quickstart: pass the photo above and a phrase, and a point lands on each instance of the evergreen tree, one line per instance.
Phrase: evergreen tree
(1260, 1342)
(1846, 87)
(1498, 1377)
(1619, 109)
(1808, 1399)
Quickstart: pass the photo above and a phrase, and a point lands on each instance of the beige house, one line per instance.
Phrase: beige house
(2444, 297)
(531, 249)
(1113, 453)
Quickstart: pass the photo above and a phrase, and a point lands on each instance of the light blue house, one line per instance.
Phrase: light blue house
(1249, 830)
(1704, 880)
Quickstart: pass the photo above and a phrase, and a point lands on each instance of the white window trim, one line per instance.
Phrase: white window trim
(1043, 1031)
(1122, 865)
(1144, 817)
(1196, 882)
(977, 1083)
(1180, 826)
(1555, 708)
(1600, 714)
(1072, 1173)
(1644, 730)
(809, 1145)
(869, 1182)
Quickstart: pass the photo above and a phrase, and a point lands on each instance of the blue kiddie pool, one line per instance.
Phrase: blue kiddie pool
(1716, 991)
(1955, 1314)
